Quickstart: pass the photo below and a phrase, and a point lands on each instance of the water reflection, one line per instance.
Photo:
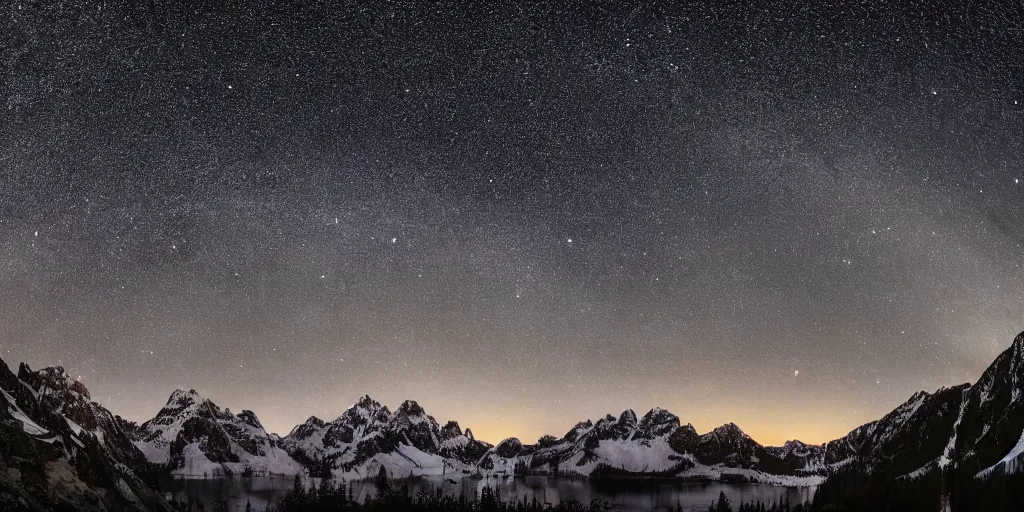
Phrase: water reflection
(626, 495)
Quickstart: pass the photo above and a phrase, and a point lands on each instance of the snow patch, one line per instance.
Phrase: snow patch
(1009, 463)
(27, 425)
(947, 453)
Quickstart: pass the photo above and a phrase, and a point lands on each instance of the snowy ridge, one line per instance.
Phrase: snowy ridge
(70, 453)
(962, 426)
(192, 436)
(30, 427)
(947, 453)
(367, 437)
(965, 426)
(1010, 463)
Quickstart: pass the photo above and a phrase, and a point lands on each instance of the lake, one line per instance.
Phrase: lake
(626, 495)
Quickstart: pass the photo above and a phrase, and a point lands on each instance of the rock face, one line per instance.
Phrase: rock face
(990, 425)
(975, 429)
(978, 428)
(60, 451)
(970, 429)
(193, 436)
(800, 458)
(656, 444)
(367, 436)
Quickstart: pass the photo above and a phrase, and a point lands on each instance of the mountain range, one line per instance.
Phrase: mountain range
(59, 449)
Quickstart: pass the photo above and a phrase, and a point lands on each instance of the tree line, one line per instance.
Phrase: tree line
(848, 492)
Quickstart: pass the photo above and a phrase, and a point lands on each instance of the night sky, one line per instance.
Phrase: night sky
(791, 218)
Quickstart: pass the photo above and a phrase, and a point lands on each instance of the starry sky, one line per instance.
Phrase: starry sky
(790, 217)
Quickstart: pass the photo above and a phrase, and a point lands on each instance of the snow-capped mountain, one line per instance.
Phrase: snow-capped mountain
(656, 444)
(800, 457)
(367, 436)
(989, 427)
(193, 436)
(86, 454)
(62, 451)
(975, 429)
(459, 445)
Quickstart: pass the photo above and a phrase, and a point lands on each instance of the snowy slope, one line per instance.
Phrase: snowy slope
(654, 445)
(970, 427)
(965, 426)
(368, 436)
(1012, 462)
(66, 452)
(193, 436)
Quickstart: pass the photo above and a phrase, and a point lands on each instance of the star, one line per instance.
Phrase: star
(251, 185)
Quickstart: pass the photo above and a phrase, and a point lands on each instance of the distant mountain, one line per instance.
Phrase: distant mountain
(367, 436)
(193, 436)
(972, 428)
(655, 445)
(69, 450)
(61, 451)
(800, 458)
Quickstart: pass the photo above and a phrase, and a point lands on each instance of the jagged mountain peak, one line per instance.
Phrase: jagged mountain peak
(729, 434)
(795, 447)
(628, 417)
(181, 394)
(1008, 363)
(509, 447)
(183, 404)
(186, 403)
(451, 430)
(193, 436)
(578, 429)
(410, 408)
(730, 430)
(250, 418)
(919, 395)
(367, 403)
(547, 441)
(304, 430)
(658, 422)
(68, 453)
(904, 411)
(54, 378)
(365, 410)
(658, 413)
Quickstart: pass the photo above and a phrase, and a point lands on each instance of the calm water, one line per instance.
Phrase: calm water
(623, 495)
